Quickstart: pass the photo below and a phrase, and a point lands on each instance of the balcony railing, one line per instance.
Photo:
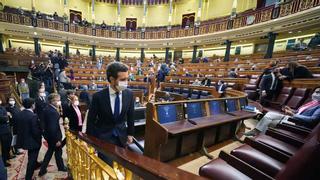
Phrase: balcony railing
(216, 25)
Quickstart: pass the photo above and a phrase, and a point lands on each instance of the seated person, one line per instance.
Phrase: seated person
(103, 25)
(232, 73)
(294, 71)
(308, 114)
(221, 88)
(206, 82)
(137, 102)
(196, 83)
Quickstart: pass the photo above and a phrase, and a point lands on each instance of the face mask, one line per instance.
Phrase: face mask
(59, 103)
(137, 100)
(42, 94)
(76, 103)
(12, 103)
(122, 85)
(316, 96)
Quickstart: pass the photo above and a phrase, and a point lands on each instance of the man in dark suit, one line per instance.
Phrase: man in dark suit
(111, 108)
(221, 88)
(206, 82)
(29, 135)
(5, 135)
(41, 103)
(52, 133)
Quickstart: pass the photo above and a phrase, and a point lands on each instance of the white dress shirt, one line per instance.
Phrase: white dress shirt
(113, 96)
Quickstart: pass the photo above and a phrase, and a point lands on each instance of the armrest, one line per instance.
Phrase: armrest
(293, 129)
(297, 126)
(244, 167)
(284, 138)
(299, 123)
(274, 153)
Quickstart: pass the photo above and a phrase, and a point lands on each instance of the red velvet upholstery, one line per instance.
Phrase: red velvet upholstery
(277, 144)
(220, 169)
(297, 98)
(258, 159)
(305, 163)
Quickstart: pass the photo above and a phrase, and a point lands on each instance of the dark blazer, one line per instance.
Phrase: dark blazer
(101, 122)
(310, 117)
(12, 121)
(29, 131)
(203, 82)
(73, 118)
(50, 124)
(4, 121)
(40, 105)
(223, 89)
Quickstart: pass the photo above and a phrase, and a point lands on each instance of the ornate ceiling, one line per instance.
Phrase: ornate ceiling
(137, 2)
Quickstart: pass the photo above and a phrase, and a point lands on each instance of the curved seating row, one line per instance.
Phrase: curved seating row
(285, 152)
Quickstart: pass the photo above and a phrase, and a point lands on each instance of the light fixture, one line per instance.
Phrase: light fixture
(290, 32)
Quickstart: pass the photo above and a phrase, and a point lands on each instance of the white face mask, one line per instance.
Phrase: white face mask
(316, 96)
(76, 103)
(42, 94)
(137, 100)
(59, 103)
(12, 103)
(122, 85)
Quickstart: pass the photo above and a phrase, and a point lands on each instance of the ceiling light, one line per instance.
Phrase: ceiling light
(290, 32)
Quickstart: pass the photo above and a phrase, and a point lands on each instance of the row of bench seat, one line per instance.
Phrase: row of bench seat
(285, 152)
(189, 93)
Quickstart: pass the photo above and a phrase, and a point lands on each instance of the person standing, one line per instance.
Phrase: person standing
(52, 133)
(111, 109)
(74, 114)
(12, 110)
(5, 135)
(23, 89)
(29, 135)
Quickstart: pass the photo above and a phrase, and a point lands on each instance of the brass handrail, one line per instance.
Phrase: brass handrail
(84, 163)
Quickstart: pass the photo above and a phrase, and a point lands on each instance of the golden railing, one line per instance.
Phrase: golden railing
(206, 27)
(84, 163)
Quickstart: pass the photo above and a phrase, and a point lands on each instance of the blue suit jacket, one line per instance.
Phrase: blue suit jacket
(310, 117)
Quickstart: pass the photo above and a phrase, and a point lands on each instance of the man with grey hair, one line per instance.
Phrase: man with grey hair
(52, 133)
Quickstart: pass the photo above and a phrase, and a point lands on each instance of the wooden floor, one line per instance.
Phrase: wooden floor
(194, 161)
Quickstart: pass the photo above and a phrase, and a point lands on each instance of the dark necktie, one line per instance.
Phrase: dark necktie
(116, 107)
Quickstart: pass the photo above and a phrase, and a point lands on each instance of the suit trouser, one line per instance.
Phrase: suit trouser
(270, 119)
(58, 155)
(5, 146)
(32, 161)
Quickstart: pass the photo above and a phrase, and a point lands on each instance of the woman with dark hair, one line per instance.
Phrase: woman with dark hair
(294, 71)
(12, 110)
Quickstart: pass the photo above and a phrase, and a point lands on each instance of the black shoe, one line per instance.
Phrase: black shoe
(64, 169)
(7, 164)
(253, 132)
(38, 165)
(41, 173)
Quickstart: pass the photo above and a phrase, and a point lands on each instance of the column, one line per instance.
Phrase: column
(118, 55)
(167, 60)
(144, 14)
(197, 24)
(66, 46)
(142, 55)
(228, 47)
(92, 12)
(36, 46)
(234, 8)
(93, 52)
(65, 16)
(170, 15)
(272, 38)
(194, 54)
(1, 44)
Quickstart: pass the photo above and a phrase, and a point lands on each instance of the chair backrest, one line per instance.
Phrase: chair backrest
(284, 95)
(216, 107)
(297, 98)
(167, 113)
(194, 110)
(243, 102)
(232, 105)
(304, 164)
